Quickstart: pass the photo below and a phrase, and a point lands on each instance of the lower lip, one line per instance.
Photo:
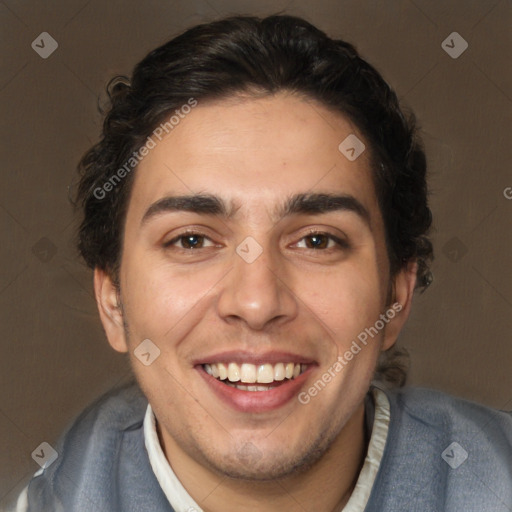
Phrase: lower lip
(256, 401)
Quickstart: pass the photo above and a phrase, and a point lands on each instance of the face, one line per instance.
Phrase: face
(254, 285)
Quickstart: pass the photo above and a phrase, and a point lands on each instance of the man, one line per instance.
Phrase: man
(256, 217)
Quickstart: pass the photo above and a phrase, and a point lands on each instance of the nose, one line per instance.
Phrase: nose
(257, 293)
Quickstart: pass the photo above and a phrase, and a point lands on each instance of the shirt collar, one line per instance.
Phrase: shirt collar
(377, 409)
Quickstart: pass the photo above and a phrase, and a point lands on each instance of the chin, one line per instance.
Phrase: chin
(252, 464)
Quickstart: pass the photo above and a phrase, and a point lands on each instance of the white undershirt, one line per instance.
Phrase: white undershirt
(181, 501)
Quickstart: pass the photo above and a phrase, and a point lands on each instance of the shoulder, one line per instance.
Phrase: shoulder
(444, 453)
(108, 416)
(442, 411)
(89, 449)
(116, 410)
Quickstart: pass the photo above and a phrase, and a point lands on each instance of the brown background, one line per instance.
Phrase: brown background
(55, 358)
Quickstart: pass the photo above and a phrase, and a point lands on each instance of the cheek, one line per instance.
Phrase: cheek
(162, 300)
(347, 300)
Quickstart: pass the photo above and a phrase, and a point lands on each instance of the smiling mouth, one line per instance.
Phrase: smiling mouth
(251, 377)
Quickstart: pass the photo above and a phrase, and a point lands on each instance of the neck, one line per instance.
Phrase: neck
(326, 486)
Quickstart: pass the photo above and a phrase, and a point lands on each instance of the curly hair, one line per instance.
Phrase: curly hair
(258, 57)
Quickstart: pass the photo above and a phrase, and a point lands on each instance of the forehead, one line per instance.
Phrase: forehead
(254, 152)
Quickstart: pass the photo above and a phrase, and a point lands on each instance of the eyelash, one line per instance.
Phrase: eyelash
(341, 244)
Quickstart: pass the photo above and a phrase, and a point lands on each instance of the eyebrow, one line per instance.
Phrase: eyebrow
(306, 203)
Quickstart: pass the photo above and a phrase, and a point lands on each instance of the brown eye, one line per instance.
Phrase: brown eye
(317, 241)
(192, 241)
(188, 241)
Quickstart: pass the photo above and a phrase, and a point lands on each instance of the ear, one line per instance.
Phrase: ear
(403, 286)
(107, 299)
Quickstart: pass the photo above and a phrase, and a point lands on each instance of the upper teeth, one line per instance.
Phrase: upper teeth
(249, 373)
